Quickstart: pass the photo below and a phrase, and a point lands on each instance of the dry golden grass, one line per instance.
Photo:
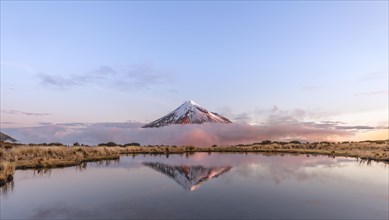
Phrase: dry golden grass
(24, 156)
(370, 150)
(378, 151)
(6, 172)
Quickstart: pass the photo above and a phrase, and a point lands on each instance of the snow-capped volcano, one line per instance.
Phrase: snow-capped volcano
(188, 113)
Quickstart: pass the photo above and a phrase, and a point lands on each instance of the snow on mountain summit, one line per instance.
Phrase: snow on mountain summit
(188, 113)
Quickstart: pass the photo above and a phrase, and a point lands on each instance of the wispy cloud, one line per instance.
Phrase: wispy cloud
(361, 127)
(57, 81)
(310, 87)
(137, 77)
(380, 92)
(15, 112)
(44, 123)
(9, 123)
(379, 75)
(332, 122)
(242, 118)
(276, 115)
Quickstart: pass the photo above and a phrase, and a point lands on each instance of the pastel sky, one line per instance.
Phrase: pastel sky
(322, 64)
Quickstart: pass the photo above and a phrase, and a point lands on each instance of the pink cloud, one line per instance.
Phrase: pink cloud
(198, 135)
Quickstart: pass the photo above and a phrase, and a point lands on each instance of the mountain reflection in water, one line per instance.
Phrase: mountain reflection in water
(259, 186)
(189, 177)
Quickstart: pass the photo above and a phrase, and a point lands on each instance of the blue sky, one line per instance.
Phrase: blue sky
(103, 61)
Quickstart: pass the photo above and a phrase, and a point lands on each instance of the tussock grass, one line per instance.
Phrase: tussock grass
(23, 157)
(371, 150)
(6, 172)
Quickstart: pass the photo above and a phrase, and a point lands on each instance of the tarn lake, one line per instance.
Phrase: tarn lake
(202, 186)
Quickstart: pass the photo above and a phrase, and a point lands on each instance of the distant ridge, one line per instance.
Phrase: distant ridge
(188, 113)
(4, 137)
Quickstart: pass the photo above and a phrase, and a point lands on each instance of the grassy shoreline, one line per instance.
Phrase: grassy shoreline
(18, 156)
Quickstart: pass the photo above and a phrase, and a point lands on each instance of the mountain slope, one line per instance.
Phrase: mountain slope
(188, 113)
(4, 137)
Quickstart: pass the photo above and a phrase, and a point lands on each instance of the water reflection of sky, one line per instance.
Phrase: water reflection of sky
(256, 186)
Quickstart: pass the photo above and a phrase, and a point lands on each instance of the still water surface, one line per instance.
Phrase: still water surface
(202, 186)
